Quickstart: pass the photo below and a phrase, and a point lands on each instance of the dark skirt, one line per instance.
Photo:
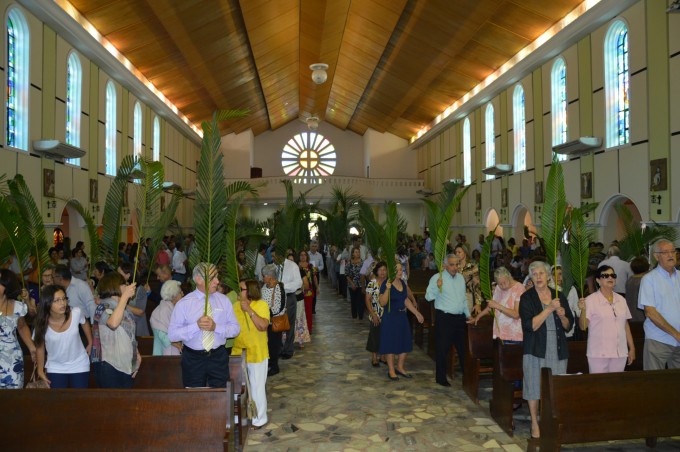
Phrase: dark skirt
(373, 343)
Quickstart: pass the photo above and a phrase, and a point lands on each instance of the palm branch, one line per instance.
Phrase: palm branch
(289, 229)
(11, 226)
(372, 230)
(485, 266)
(211, 197)
(580, 236)
(235, 191)
(155, 232)
(33, 224)
(113, 210)
(147, 195)
(552, 219)
(440, 214)
(635, 240)
(93, 236)
(389, 242)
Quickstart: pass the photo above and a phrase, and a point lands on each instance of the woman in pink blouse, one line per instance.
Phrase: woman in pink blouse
(610, 344)
(507, 326)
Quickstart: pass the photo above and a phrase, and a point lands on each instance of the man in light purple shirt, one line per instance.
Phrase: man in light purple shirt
(201, 367)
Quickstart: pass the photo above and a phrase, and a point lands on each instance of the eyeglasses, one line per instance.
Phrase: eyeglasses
(59, 300)
(668, 252)
(608, 276)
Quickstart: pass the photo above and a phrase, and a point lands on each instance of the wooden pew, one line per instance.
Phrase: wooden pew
(478, 356)
(165, 372)
(117, 419)
(507, 368)
(604, 407)
(145, 345)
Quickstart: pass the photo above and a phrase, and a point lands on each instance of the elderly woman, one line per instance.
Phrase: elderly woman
(505, 304)
(171, 293)
(375, 311)
(395, 331)
(274, 295)
(610, 343)
(114, 351)
(353, 274)
(252, 314)
(79, 264)
(57, 337)
(545, 320)
(12, 320)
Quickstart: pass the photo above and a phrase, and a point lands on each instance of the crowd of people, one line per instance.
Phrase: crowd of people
(86, 318)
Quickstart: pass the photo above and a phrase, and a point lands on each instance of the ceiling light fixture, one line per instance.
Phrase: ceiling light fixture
(319, 75)
(313, 123)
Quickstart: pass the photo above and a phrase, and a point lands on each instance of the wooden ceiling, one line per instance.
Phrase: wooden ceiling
(394, 65)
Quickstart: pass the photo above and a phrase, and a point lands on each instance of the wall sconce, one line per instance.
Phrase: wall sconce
(95, 208)
(656, 199)
(126, 211)
(51, 204)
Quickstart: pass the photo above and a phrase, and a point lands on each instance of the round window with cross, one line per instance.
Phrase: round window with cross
(308, 157)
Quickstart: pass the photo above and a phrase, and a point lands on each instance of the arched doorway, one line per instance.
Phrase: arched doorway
(493, 221)
(521, 217)
(613, 227)
(73, 225)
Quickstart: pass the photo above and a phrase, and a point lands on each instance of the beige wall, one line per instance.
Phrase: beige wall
(47, 118)
(618, 173)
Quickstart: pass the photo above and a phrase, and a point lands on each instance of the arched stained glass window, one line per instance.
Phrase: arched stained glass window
(519, 128)
(558, 88)
(156, 139)
(307, 157)
(111, 164)
(490, 139)
(467, 158)
(616, 84)
(137, 130)
(74, 88)
(18, 40)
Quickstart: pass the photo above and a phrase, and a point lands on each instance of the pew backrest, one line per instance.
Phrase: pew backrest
(117, 419)
(610, 406)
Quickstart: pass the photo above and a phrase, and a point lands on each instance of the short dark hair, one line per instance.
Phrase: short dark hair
(378, 266)
(639, 265)
(11, 284)
(63, 272)
(109, 285)
(602, 269)
(253, 290)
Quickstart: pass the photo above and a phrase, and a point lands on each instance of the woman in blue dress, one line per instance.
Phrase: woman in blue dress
(395, 331)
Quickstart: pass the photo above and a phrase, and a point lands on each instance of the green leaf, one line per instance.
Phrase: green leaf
(580, 236)
(485, 266)
(552, 219)
(373, 231)
(11, 225)
(113, 211)
(148, 211)
(93, 236)
(236, 192)
(33, 225)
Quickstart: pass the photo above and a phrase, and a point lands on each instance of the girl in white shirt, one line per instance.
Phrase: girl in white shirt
(56, 331)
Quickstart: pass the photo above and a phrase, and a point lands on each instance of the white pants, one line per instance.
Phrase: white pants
(257, 375)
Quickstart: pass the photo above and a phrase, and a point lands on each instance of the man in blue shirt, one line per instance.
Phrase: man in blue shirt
(451, 312)
(660, 299)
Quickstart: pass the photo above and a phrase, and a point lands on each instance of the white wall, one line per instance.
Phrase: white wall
(388, 156)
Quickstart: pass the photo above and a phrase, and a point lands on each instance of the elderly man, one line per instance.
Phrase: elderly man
(660, 299)
(621, 268)
(292, 282)
(78, 291)
(205, 361)
(274, 293)
(451, 312)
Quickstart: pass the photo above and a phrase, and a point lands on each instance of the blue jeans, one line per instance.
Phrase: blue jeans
(110, 377)
(79, 380)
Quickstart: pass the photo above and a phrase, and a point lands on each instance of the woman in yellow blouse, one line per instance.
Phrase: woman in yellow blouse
(252, 314)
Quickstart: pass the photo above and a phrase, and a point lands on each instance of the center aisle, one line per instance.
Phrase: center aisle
(329, 397)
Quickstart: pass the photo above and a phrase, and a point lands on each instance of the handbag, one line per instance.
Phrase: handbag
(280, 322)
(37, 383)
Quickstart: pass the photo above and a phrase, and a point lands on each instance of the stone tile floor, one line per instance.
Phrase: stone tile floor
(328, 397)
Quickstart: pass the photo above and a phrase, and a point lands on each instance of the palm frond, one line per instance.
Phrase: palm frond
(33, 225)
(236, 192)
(372, 230)
(290, 229)
(93, 236)
(552, 219)
(147, 194)
(580, 236)
(113, 210)
(155, 232)
(11, 225)
(485, 266)
(389, 243)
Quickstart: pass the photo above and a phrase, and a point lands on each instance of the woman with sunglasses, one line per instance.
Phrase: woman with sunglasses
(57, 337)
(610, 343)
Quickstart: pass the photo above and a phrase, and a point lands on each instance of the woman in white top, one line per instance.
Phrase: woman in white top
(56, 331)
(171, 293)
